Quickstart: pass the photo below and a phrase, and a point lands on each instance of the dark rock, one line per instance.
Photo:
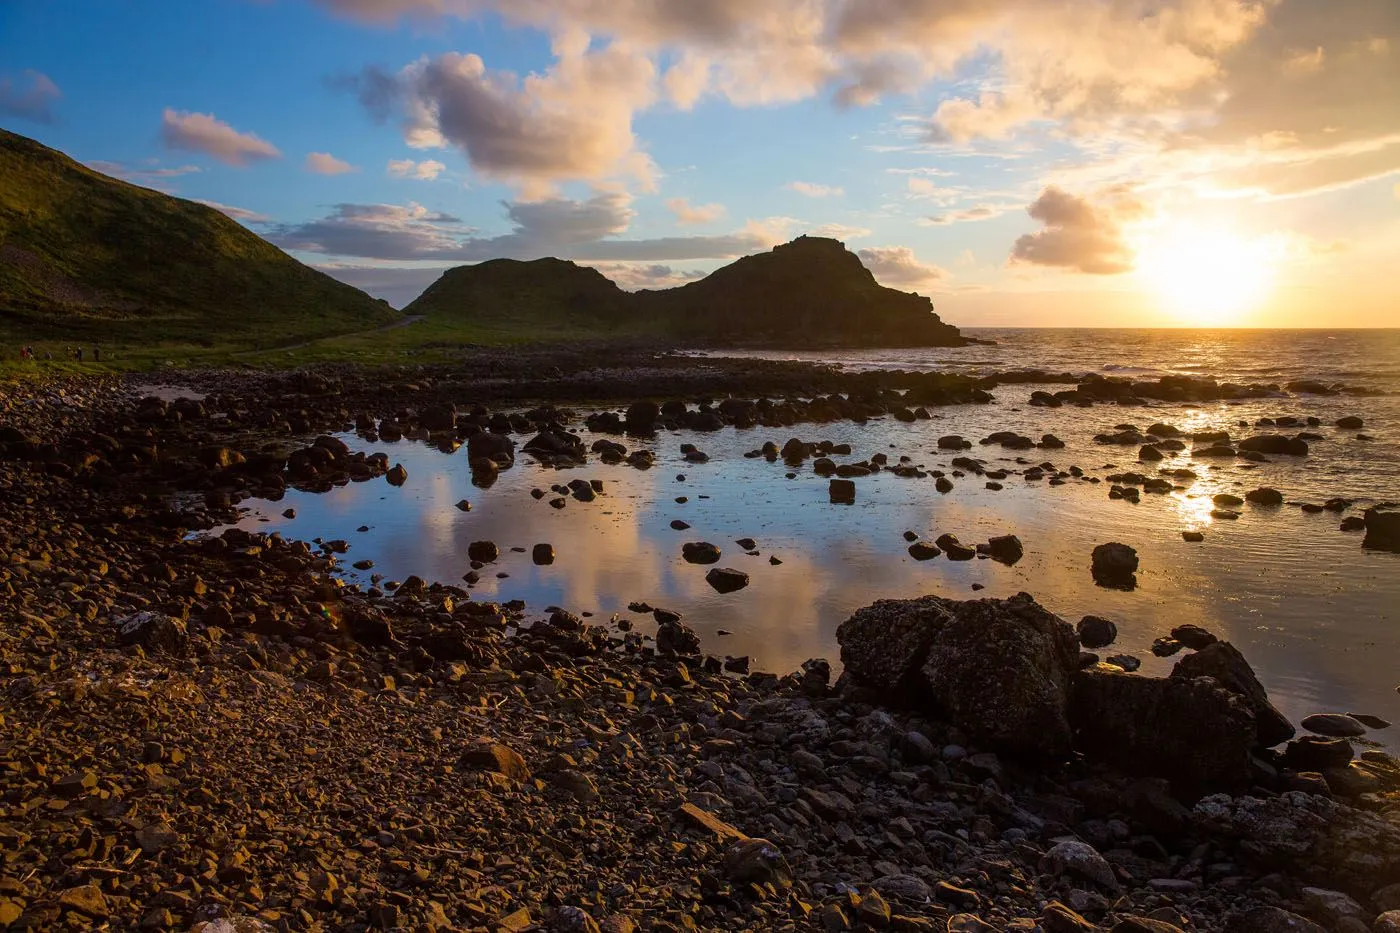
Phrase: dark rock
(1318, 753)
(493, 756)
(1005, 548)
(1222, 662)
(542, 554)
(483, 551)
(1115, 565)
(1096, 632)
(727, 580)
(1333, 725)
(675, 637)
(1382, 528)
(843, 491)
(1351, 423)
(700, 552)
(1265, 495)
(1272, 920)
(153, 631)
(1193, 732)
(922, 550)
(1193, 636)
(397, 475)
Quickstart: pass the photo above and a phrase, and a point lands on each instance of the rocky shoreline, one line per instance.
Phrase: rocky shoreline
(215, 731)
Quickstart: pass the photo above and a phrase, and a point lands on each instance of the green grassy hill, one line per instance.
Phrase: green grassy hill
(812, 292)
(88, 258)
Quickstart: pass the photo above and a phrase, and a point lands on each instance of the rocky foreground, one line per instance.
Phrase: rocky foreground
(213, 734)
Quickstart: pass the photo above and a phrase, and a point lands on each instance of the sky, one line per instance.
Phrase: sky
(1022, 162)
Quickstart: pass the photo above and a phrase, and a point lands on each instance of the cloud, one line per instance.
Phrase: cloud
(586, 230)
(31, 96)
(202, 132)
(897, 267)
(633, 276)
(323, 163)
(149, 177)
(1081, 235)
(687, 213)
(837, 231)
(237, 213)
(813, 190)
(574, 122)
(920, 187)
(426, 170)
(965, 215)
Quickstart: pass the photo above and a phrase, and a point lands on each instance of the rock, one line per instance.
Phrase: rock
(1331, 907)
(483, 551)
(969, 923)
(153, 631)
(1192, 536)
(1275, 444)
(1351, 423)
(1273, 920)
(576, 783)
(1057, 918)
(1388, 922)
(1080, 861)
(497, 758)
(757, 861)
(1318, 839)
(464, 505)
(943, 484)
(953, 442)
(642, 417)
(1264, 495)
(675, 637)
(1125, 661)
(1096, 632)
(1115, 565)
(903, 887)
(1333, 725)
(727, 580)
(1382, 528)
(85, 899)
(1132, 923)
(1222, 662)
(842, 491)
(1353, 523)
(542, 554)
(1227, 501)
(1316, 753)
(1005, 548)
(922, 550)
(954, 548)
(999, 669)
(1191, 731)
(700, 552)
(1193, 636)
(397, 475)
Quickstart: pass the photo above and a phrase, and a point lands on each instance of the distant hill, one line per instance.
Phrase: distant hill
(808, 293)
(91, 258)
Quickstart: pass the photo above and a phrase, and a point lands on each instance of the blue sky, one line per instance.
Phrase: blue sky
(1023, 162)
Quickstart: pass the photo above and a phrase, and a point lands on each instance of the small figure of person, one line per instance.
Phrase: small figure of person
(80, 354)
(96, 355)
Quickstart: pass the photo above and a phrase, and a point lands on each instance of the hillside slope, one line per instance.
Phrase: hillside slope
(91, 258)
(811, 292)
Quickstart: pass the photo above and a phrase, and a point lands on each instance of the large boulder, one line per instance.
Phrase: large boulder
(1310, 836)
(1382, 527)
(998, 668)
(1193, 732)
(1275, 444)
(1114, 564)
(486, 445)
(1223, 662)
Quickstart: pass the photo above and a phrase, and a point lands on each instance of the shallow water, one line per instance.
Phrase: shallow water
(1317, 615)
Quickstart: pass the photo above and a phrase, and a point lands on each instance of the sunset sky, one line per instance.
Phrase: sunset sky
(1023, 162)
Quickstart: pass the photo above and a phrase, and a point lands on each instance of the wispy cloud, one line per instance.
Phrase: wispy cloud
(203, 132)
(323, 163)
(31, 96)
(687, 213)
(426, 170)
(814, 190)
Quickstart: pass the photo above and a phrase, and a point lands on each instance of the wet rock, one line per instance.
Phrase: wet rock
(1005, 548)
(953, 442)
(1096, 632)
(1193, 636)
(483, 551)
(1318, 753)
(700, 552)
(675, 637)
(943, 484)
(1275, 444)
(1351, 423)
(1382, 528)
(1353, 523)
(727, 580)
(86, 899)
(542, 554)
(1264, 495)
(842, 491)
(1191, 731)
(955, 549)
(1115, 565)
(1333, 725)
(922, 550)
(1192, 536)
(1226, 500)
(1388, 922)
(1222, 662)
(397, 475)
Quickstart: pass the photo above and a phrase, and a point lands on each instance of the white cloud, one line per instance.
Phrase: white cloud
(323, 163)
(426, 170)
(30, 96)
(813, 190)
(202, 132)
(842, 232)
(153, 177)
(633, 276)
(1081, 234)
(965, 215)
(898, 267)
(687, 213)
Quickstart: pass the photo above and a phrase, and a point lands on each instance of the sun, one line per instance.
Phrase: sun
(1208, 277)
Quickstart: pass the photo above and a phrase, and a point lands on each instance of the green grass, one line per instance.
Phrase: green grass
(85, 258)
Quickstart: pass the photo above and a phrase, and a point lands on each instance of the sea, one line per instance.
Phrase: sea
(1316, 613)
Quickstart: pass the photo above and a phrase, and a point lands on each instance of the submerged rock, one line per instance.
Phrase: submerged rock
(1382, 528)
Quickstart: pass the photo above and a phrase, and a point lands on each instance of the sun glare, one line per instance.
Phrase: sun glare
(1208, 277)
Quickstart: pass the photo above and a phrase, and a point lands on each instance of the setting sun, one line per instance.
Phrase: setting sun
(1208, 277)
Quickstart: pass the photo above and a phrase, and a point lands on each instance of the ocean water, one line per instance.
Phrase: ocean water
(1316, 614)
